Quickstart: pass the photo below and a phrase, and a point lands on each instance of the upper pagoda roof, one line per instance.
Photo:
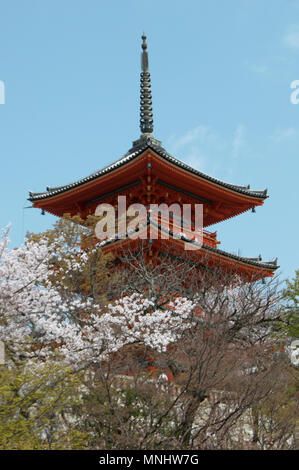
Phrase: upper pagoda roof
(147, 141)
(139, 146)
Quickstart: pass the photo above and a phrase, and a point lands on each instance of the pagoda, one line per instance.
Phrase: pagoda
(147, 174)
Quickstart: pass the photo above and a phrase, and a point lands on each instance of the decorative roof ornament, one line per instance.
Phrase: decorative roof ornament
(146, 110)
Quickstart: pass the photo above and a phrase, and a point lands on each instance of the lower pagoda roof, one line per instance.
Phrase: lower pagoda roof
(256, 265)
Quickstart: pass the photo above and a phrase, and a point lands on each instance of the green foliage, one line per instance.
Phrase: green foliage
(126, 412)
(291, 295)
(36, 406)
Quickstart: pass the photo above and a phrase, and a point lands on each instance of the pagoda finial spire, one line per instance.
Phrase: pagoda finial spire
(146, 110)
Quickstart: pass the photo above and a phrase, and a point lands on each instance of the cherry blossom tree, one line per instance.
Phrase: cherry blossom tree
(40, 313)
(174, 354)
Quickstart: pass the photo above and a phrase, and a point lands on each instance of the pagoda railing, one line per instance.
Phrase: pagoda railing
(175, 224)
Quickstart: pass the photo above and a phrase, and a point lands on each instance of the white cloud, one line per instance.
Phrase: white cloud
(238, 140)
(198, 147)
(284, 134)
(291, 38)
(208, 151)
(257, 69)
(199, 133)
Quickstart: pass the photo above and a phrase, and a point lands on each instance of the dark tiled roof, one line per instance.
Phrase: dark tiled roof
(140, 146)
(258, 262)
(253, 261)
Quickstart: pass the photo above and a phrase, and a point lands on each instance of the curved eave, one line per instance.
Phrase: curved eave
(265, 268)
(141, 146)
(263, 265)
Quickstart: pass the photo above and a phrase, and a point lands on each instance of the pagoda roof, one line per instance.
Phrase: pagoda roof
(138, 148)
(221, 200)
(256, 262)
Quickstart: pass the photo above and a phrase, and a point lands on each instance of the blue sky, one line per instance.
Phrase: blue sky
(221, 74)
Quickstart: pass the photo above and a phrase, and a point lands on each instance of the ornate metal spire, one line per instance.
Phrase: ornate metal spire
(146, 110)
